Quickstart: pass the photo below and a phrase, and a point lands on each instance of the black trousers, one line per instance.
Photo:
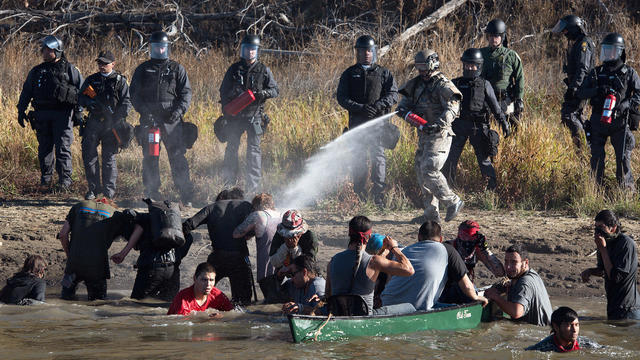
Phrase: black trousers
(156, 282)
(54, 130)
(235, 266)
(96, 289)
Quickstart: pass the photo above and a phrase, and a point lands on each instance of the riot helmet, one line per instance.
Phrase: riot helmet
(426, 62)
(573, 24)
(497, 27)
(53, 43)
(365, 49)
(159, 48)
(612, 49)
(249, 47)
(471, 63)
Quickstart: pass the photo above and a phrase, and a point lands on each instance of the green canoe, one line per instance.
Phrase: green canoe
(305, 327)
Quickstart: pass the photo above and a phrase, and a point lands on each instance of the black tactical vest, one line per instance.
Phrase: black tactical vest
(618, 81)
(159, 81)
(473, 92)
(365, 86)
(52, 87)
(107, 88)
(250, 77)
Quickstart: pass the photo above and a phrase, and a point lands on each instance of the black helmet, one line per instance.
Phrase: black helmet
(365, 42)
(53, 43)
(612, 48)
(427, 61)
(251, 39)
(496, 27)
(159, 37)
(573, 24)
(472, 56)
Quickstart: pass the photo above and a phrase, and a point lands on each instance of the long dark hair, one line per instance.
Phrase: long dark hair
(608, 218)
(34, 265)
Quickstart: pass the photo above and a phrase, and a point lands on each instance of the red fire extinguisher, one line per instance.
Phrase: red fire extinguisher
(415, 120)
(242, 101)
(607, 109)
(154, 140)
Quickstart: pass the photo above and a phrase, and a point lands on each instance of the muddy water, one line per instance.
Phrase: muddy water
(122, 329)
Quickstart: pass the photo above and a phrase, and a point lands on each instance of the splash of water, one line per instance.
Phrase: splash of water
(328, 168)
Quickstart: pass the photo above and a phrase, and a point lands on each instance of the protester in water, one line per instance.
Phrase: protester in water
(28, 284)
(230, 257)
(432, 266)
(618, 264)
(93, 225)
(305, 288)
(202, 295)
(565, 329)
(527, 299)
(472, 246)
(354, 271)
(261, 223)
(292, 239)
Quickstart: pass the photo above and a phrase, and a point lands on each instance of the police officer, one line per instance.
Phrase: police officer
(106, 95)
(247, 74)
(161, 93)
(617, 79)
(503, 68)
(52, 89)
(434, 98)
(367, 90)
(579, 62)
(473, 124)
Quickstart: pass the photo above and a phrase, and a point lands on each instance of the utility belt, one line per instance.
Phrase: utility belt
(52, 107)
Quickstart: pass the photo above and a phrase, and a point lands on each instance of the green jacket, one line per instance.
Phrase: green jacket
(503, 68)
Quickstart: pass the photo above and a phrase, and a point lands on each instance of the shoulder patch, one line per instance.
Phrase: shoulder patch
(584, 46)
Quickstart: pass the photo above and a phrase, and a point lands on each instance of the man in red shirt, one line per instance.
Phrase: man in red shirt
(565, 328)
(202, 295)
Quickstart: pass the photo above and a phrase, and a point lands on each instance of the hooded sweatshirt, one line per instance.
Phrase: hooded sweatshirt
(23, 286)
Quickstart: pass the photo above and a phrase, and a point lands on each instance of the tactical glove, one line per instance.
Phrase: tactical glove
(518, 107)
(506, 128)
(77, 118)
(371, 111)
(604, 90)
(21, 118)
(174, 118)
(622, 108)
(402, 112)
(260, 95)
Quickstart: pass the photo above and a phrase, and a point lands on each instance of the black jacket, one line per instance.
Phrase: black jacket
(241, 77)
(23, 286)
(359, 87)
(41, 82)
(580, 61)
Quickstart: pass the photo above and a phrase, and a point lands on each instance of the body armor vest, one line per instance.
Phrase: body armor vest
(248, 78)
(53, 86)
(365, 86)
(473, 92)
(108, 89)
(618, 81)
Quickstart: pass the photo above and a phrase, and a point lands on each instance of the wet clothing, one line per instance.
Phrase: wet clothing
(373, 86)
(96, 289)
(345, 282)
(262, 224)
(22, 287)
(280, 255)
(502, 67)
(240, 77)
(580, 60)
(161, 93)
(109, 106)
(230, 257)
(550, 343)
(185, 302)
(530, 292)
(456, 270)
(623, 299)
(51, 88)
(624, 81)
(472, 251)
(301, 296)
(423, 288)
(437, 101)
(473, 125)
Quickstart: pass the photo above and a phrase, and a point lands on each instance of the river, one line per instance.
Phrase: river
(120, 328)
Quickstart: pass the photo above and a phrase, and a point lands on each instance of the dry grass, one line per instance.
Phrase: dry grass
(537, 169)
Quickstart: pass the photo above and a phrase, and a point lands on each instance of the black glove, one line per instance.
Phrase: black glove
(21, 118)
(260, 95)
(371, 111)
(402, 112)
(518, 107)
(604, 90)
(431, 128)
(621, 108)
(77, 118)
(571, 92)
(174, 118)
(506, 128)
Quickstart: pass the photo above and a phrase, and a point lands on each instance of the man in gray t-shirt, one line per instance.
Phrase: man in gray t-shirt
(527, 299)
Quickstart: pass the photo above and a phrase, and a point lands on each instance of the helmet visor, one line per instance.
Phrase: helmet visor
(560, 25)
(610, 52)
(159, 51)
(366, 56)
(249, 51)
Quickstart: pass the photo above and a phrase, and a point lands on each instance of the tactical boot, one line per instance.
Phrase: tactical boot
(89, 195)
(453, 210)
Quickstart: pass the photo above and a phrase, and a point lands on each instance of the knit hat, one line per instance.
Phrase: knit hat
(292, 224)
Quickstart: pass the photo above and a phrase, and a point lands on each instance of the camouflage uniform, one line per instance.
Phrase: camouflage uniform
(436, 100)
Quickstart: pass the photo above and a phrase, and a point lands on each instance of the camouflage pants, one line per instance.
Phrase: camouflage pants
(431, 155)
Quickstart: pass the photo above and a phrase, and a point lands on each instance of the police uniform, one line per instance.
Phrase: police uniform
(625, 82)
(579, 62)
(437, 100)
(240, 77)
(473, 124)
(110, 105)
(52, 89)
(502, 67)
(161, 93)
(375, 86)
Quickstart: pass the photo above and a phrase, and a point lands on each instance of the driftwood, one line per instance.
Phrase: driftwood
(425, 23)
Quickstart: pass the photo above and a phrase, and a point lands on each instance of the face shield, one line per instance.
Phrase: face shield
(366, 56)
(610, 53)
(249, 51)
(560, 25)
(471, 70)
(159, 51)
